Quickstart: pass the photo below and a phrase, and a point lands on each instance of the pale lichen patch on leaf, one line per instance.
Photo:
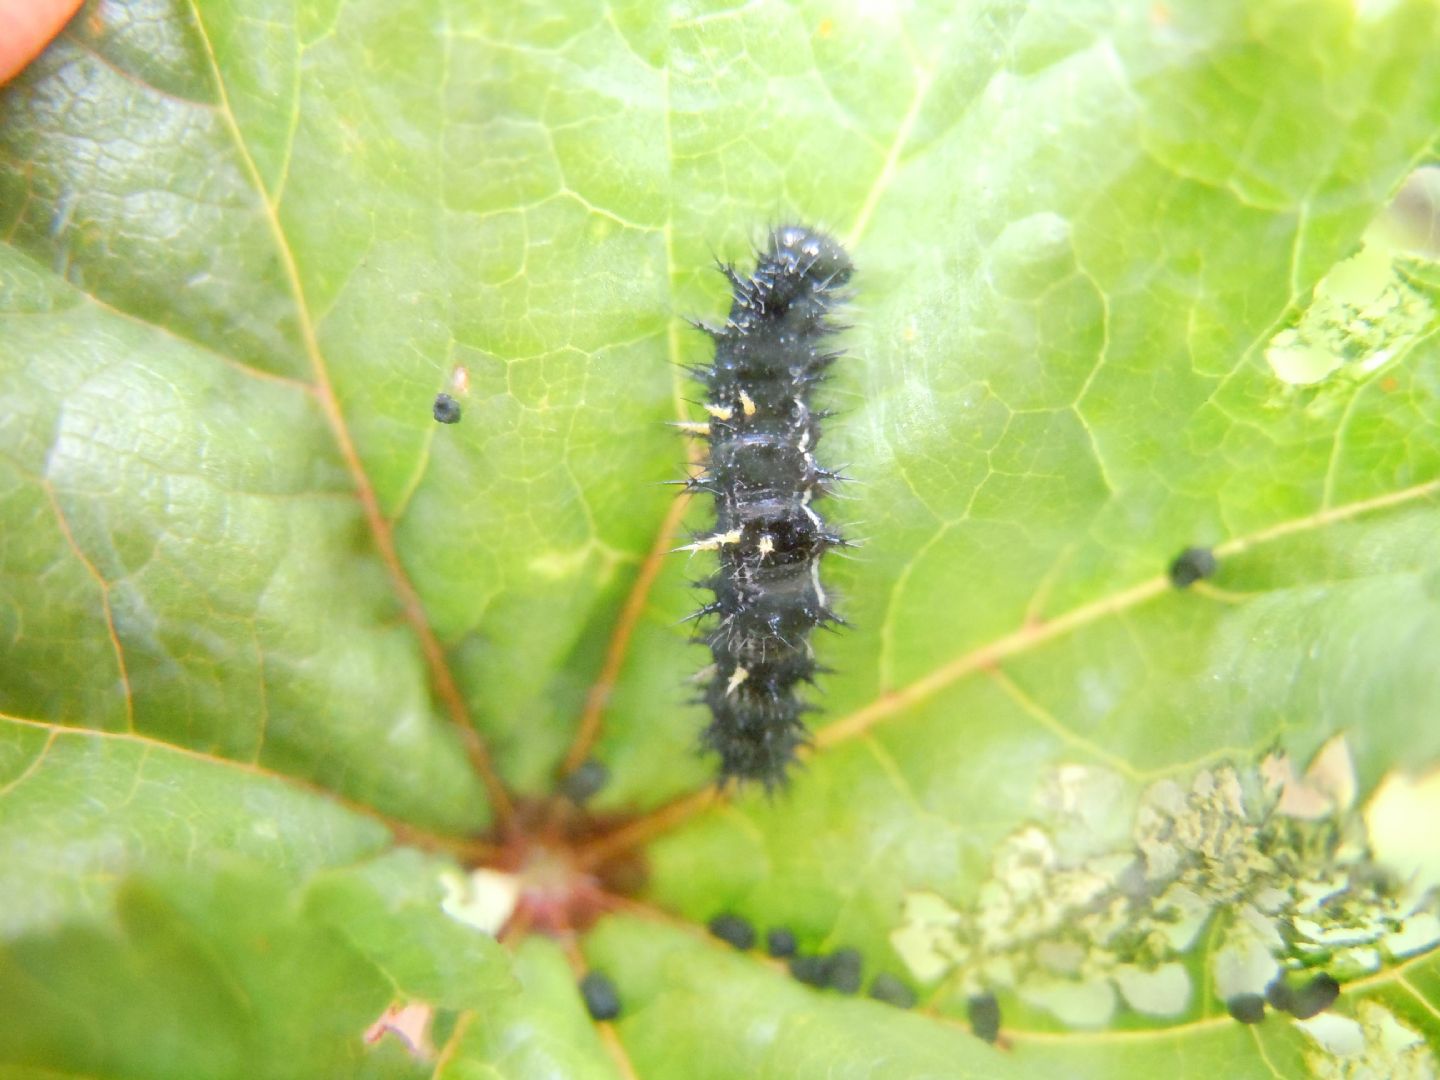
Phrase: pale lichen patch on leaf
(1245, 961)
(1087, 1003)
(1375, 1045)
(1421, 933)
(1277, 868)
(925, 940)
(1165, 991)
(1092, 809)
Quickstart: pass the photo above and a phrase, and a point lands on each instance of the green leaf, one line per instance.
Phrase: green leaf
(280, 656)
(205, 977)
(84, 811)
(543, 1034)
(391, 910)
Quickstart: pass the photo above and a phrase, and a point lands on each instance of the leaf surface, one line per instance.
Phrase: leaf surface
(1131, 279)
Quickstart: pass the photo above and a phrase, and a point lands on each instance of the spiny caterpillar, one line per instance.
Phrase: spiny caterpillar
(761, 430)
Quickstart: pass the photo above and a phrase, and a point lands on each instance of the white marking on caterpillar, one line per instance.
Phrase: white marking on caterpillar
(766, 545)
(815, 579)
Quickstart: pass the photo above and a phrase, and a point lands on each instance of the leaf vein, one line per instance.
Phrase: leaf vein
(127, 693)
(442, 677)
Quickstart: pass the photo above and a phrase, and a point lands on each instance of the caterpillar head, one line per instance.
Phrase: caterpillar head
(816, 256)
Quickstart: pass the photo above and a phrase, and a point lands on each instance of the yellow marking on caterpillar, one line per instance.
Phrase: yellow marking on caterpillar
(738, 676)
(713, 543)
(747, 404)
(720, 412)
(692, 427)
(766, 545)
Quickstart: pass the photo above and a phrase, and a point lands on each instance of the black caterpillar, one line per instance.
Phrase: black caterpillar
(770, 354)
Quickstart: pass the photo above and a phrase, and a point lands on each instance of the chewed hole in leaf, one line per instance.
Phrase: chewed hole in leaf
(1269, 872)
(1398, 803)
(1411, 223)
(409, 1022)
(485, 899)
(1374, 1044)
(1372, 306)
(1364, 313)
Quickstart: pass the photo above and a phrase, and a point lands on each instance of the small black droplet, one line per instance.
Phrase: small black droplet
(810, 970)
(842, 971)
(1279, 995)
(1303, 1002)
(447, 409)
(887, 988)
(734, 930)
(984, 1013)
(582, 784)
(1192, 565)
(780, 942)
(601, 997)
(1247, 1008)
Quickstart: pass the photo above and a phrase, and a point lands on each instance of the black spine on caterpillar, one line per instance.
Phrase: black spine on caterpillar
(769, 356)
